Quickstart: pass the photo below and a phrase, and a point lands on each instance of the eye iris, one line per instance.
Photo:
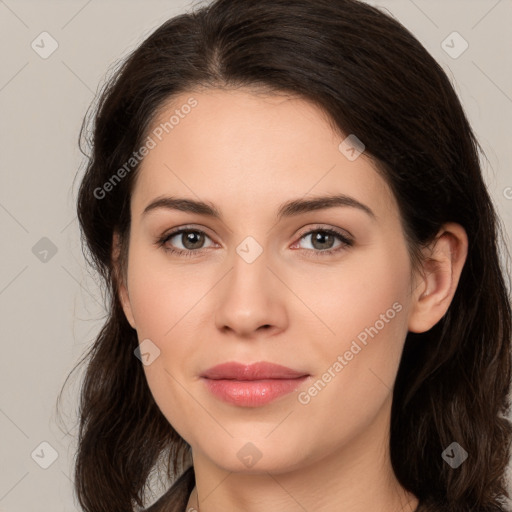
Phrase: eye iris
(321, 236)
(189, 237)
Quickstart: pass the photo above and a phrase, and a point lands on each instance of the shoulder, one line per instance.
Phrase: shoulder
(176, 498)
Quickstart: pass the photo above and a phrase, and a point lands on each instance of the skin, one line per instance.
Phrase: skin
(247, 154)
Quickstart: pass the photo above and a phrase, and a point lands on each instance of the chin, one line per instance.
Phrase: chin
(256, 456)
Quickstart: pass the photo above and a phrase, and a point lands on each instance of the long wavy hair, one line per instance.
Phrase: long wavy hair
(373, 78)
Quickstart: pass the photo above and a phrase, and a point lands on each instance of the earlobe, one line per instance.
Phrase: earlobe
(443, 263)
(122, 289)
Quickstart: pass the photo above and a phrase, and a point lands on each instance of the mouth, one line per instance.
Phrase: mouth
(251, 385)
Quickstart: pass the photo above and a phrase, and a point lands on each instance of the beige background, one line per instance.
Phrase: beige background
(51, 310)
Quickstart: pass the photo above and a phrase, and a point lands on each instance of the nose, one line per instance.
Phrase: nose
(251, 300)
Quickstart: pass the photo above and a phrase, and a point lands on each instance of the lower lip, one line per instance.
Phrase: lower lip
(252, 393)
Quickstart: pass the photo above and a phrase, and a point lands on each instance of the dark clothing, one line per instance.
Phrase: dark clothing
(176, 498)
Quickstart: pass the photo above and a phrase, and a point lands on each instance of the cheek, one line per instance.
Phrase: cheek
(162, 299)
(160, 294)
(367, 308)
(169, 390)
(368, 294)
(366, 305)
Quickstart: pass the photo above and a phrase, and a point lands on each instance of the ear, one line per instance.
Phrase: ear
(437, 281)
(122, 288)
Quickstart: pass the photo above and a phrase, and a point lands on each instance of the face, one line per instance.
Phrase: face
(324, 291)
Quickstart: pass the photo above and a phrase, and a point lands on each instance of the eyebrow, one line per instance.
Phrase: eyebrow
(288, 209)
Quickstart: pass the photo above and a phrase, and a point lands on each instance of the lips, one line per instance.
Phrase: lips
(251, 385)
(255, 371)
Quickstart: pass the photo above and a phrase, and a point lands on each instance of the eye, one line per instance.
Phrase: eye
(192, 241)
(322, 240)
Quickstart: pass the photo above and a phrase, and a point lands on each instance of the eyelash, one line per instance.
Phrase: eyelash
(345, 242)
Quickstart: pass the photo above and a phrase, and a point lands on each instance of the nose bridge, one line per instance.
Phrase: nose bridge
(248, 298)
(249, 280)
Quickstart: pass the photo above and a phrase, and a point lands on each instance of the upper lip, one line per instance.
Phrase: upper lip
(254, 371)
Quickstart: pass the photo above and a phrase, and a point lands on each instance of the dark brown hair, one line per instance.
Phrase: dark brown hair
(374, 79)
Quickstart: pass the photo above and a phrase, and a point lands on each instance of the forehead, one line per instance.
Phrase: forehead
(236, 147)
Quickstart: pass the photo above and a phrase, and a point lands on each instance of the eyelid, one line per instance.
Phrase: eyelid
(323, 227)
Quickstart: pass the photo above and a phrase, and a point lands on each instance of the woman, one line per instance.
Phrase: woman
(285, 202)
